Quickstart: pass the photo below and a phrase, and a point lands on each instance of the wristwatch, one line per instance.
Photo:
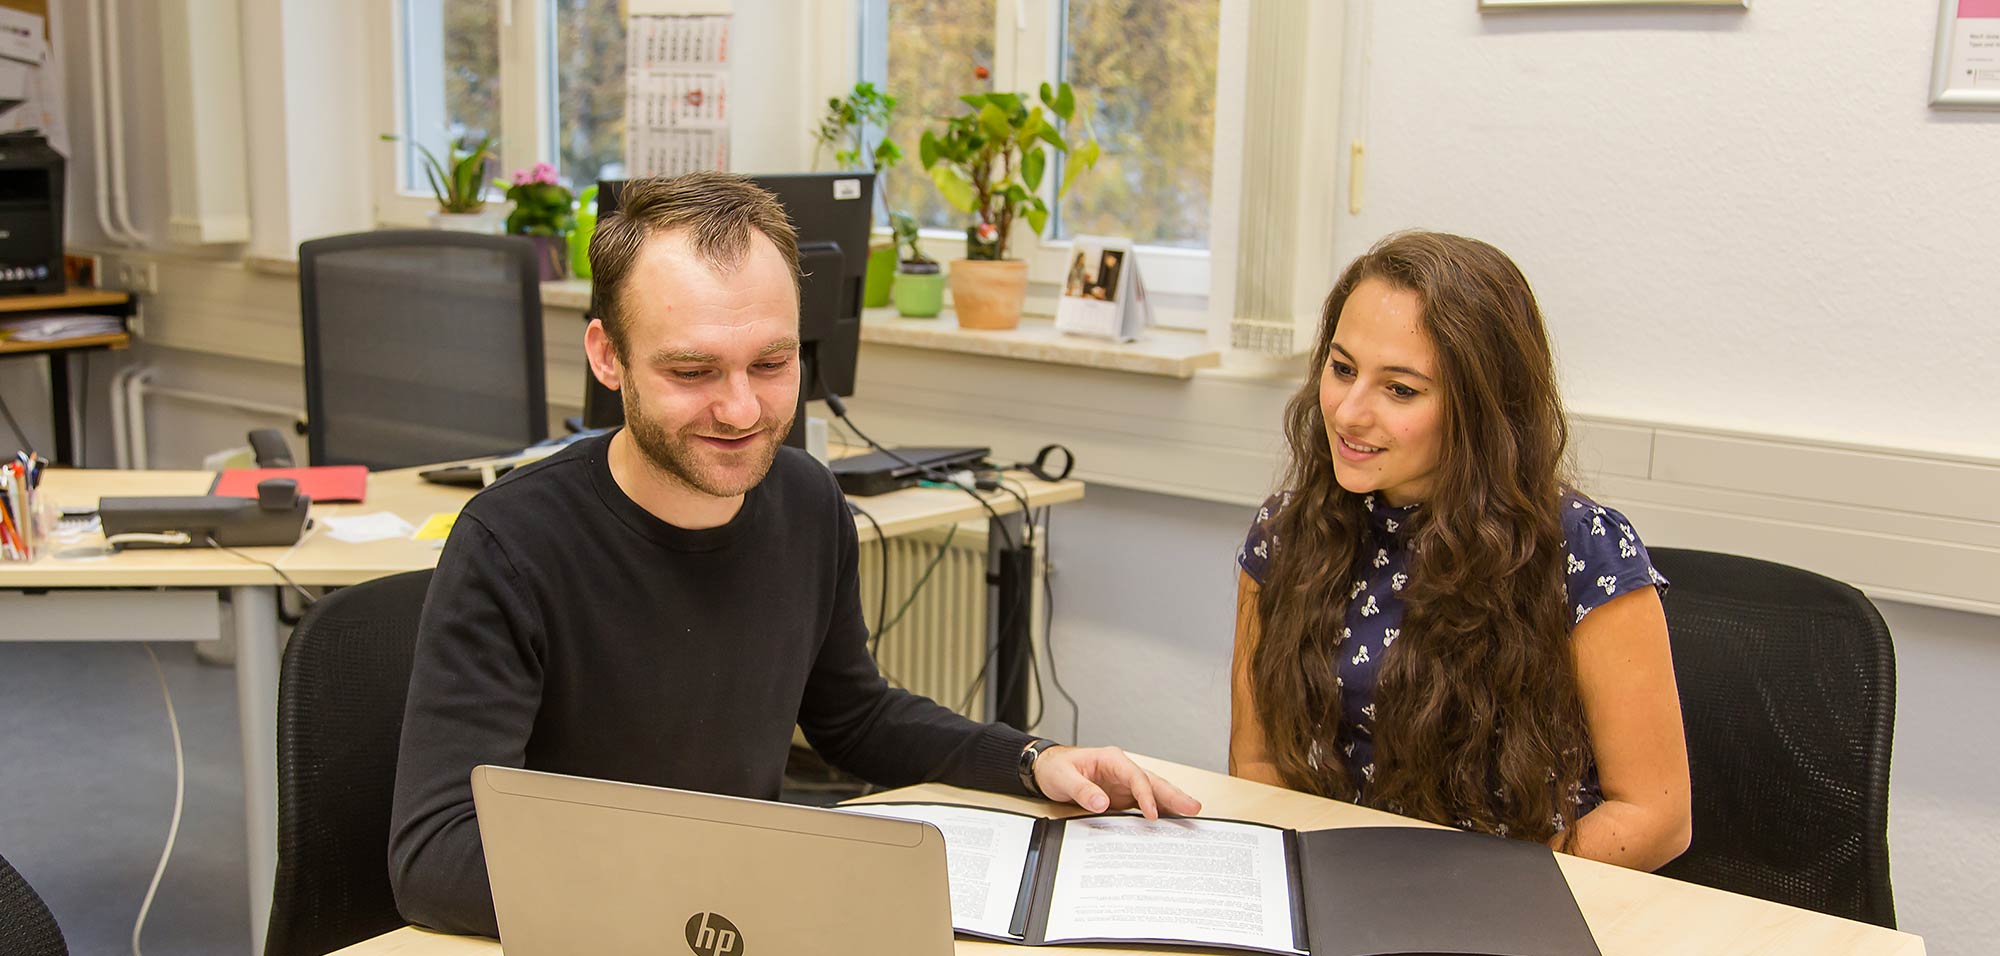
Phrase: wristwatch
(1029, 755)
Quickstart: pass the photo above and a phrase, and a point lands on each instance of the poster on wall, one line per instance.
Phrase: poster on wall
(1966, 71)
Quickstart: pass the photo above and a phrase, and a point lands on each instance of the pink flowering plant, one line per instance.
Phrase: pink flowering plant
(543, 206)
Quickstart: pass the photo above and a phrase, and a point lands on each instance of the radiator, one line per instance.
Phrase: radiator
(937, 648)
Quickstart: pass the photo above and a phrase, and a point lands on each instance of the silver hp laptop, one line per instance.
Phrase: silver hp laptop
(617, 869)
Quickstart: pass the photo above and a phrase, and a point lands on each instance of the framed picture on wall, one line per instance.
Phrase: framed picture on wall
(1547, 4)
(1965, 74)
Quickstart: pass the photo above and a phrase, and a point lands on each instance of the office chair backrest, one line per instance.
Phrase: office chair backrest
(1788, 691)
(341, 689)
(420, 346)
(27, 928)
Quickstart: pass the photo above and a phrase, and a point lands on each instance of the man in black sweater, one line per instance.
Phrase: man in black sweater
(661, 605)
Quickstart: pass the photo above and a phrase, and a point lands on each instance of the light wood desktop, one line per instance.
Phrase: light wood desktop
(202, 580)
(1631, 913)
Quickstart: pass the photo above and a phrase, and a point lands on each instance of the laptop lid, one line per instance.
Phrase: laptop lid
(617, 869)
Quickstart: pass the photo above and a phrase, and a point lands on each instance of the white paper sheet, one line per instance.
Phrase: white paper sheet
(358, 529)
(1203, 881)
(985, 852)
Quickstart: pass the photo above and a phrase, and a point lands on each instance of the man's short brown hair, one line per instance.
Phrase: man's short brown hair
(717, 211)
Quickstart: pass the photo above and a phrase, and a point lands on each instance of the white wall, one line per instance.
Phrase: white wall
(1742, 220)
(1745, 221)
(1944, 818)
(137, 24)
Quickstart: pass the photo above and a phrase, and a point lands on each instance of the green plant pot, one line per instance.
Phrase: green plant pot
(579, 245)
(881, 275)
(920, 295)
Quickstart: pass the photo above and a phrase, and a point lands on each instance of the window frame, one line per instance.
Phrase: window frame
(1027, 52)
(1183, 283)
(527, 101)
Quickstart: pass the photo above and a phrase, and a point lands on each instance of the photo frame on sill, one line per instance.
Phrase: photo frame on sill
(1965, 71)
(1102, 294)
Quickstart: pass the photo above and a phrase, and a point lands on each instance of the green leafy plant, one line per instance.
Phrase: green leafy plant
(844, 130)
(905, 228)
(457, 180)
(991, 159)
(543, 206)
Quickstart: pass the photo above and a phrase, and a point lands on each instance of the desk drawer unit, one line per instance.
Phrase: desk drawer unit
(135, 614)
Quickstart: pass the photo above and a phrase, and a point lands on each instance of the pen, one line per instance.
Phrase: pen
(7, 533)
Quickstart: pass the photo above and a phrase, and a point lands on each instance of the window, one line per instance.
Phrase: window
(1148, 69)
(925, 53)
(451, 61)
(547, 78)
(589, 58)
(1147, 74)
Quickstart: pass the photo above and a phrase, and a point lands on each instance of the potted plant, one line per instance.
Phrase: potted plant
(919, 278)
(989, 161)
(544, 211)
(458, 184)
(844, 131)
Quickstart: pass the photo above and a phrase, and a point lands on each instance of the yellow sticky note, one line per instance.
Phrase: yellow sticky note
(437, 527)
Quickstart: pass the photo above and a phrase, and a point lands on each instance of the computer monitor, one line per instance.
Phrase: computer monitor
(833, 215)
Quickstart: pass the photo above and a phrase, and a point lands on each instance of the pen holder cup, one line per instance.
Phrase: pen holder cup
(27, 539)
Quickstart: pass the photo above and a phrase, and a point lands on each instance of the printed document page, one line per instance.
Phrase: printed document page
(1199, 881)
(985, 852)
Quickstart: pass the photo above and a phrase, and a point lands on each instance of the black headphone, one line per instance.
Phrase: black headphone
(1040, 466)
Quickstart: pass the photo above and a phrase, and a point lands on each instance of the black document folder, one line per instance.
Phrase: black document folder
(1360, 891)
(1418, 890)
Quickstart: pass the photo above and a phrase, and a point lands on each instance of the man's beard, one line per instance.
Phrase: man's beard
(676, 454)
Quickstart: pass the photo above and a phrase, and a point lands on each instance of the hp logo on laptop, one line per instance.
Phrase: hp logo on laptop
(710, 935)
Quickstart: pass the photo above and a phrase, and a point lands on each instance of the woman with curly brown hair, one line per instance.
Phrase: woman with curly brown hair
(1430, 618)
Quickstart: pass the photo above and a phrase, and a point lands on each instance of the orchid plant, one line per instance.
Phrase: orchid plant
(454, 180)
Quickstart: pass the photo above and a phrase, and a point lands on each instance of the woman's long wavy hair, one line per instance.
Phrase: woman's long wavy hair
(1479, 718)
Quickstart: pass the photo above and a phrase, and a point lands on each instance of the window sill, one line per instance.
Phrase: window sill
(1170, 353)
(269, 265)
(571, 294)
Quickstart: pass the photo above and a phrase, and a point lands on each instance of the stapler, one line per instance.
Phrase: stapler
(277, 516)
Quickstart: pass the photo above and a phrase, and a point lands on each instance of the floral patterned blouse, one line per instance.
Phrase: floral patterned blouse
(1605, 559)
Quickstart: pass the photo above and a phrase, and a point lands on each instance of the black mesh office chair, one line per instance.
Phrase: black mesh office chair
(1788, 690)
(420, 346)
(27, 928)
(341, 690)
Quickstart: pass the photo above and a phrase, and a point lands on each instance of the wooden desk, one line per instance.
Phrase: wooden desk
(1631, 913)
(98, 301)
(121, 598)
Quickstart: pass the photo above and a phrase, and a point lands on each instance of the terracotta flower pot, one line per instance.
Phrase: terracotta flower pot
(988, 293)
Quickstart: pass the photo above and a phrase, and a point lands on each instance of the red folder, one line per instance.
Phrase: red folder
(327, 483)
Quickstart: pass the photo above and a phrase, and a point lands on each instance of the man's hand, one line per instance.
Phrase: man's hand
(1104, 778)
